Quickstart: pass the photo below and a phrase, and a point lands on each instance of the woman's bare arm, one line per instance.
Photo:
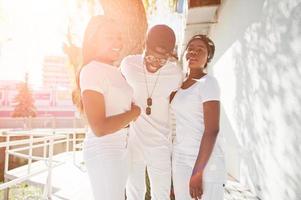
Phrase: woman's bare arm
(94, 108)
(211, 121)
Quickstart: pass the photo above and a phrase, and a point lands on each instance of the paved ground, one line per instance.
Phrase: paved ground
(68, 188)
(235, 191)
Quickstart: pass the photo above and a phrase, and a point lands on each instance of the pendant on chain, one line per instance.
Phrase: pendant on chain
(148, 110)
(149, 101)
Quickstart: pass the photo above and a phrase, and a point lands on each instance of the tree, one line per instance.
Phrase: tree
(24, 101)
(131, 16)
(73, 52)
(151, 5)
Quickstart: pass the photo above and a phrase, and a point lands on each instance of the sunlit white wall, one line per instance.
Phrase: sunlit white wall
(258, 66)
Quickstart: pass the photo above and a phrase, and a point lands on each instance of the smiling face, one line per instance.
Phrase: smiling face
(108, 44)
(197, 54)
(155, 59)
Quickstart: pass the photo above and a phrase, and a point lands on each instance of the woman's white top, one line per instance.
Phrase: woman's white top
(187, 106)
(108, 81)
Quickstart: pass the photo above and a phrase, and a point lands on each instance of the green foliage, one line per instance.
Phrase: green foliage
(151, 5)
(173, 4)
(23, 191)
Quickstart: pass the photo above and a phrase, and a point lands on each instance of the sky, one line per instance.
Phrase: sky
(32, 29)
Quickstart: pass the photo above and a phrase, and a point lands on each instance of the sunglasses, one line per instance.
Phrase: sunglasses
(154, 59)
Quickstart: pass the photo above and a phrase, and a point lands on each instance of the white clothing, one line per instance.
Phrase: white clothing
(106, 160)
(150, 135)
(181, 178)
(153, 130)
(106, 156)
(158, 163)
(187, 106)
(107, 80)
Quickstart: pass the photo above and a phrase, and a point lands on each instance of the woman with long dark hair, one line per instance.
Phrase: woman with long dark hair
(198, 160)
(106, 102)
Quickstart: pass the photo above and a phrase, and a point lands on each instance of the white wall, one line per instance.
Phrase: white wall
(258, 66)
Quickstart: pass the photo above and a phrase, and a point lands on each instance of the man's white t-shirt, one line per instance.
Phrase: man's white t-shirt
(151, 130)
(107, 80)
(187, 105)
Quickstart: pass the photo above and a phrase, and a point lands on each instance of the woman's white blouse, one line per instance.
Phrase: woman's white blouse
(187, 106)
(108, 81)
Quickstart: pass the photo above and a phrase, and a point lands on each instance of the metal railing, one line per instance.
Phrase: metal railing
(37, 138)
(41, 122)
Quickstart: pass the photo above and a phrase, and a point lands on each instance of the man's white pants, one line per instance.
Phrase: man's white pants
(106, 160)
(157, 160)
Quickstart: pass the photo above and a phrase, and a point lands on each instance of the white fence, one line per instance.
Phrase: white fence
(37, 138)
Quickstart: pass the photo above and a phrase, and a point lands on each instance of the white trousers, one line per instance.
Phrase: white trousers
(158, 163)
(106, 161)
(213, 178)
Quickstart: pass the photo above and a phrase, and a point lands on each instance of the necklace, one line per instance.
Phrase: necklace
(149, 100)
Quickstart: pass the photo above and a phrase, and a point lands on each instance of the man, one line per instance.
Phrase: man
(153, 77)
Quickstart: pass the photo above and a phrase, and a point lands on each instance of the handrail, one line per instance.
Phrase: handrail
(22, 178)
(38, 138)
(37, 145)
(22, 142)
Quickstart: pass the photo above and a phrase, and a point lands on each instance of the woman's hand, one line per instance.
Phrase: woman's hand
(135, 110)
(196, 185)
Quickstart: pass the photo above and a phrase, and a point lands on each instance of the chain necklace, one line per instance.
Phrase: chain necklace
(149, 100)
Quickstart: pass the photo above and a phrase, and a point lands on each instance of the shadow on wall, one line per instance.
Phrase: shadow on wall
(231, 26)
(267, 111)
(268, 96)
(234, 19)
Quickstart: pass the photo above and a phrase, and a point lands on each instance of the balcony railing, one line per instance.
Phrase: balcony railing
(37, 138)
